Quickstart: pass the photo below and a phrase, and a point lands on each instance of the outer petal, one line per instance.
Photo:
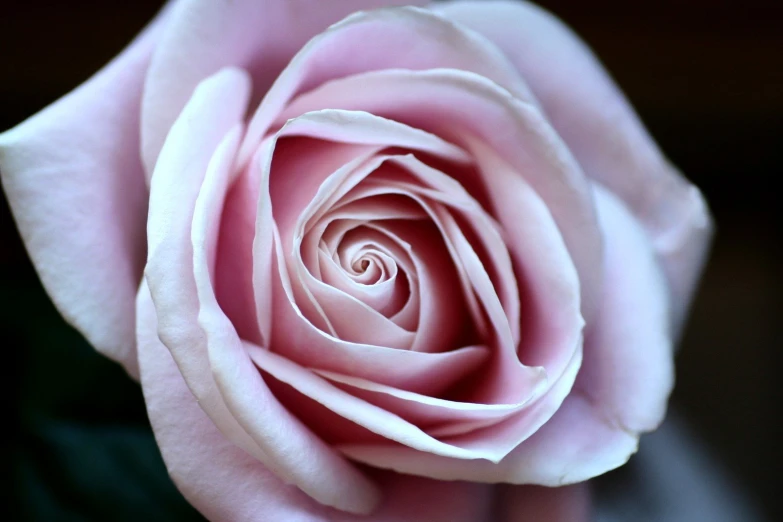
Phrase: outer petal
(217, 477)
(602, 131)
(226, 484)
(188, 187)
(628, 367)
(289, 449)
(208, 124)
(577, 444)
(75, 184)
(206, 35)
(420, 41)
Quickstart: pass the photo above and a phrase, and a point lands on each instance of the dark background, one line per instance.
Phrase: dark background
(705, 76)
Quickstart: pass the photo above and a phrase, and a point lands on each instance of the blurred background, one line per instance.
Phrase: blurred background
(706, 78)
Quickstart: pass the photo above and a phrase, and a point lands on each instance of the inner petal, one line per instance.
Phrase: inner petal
(352, 313)
(387, 295)
(331, 327)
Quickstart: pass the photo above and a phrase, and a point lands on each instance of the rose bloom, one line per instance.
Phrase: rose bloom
(410, 266)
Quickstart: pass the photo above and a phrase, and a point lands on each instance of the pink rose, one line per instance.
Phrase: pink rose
(436, 242)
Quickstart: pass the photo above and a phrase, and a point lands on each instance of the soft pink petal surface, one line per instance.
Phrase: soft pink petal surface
(205, 36)
(75, 184)
(206, 127)
(291, 450)
(188, 187)
(602, 131)
(227, 484)
(628, 369)
(420, 41)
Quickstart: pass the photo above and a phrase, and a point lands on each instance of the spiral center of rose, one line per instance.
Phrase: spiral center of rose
(389, 249)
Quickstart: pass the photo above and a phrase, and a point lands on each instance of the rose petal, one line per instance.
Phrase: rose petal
(223, 483)
(207, 129)
(393, 286)
(548, 214)
(375, 419)
(234, 263)
(354, 320)
(420, 39)
(534, 433)
(603, 132)
(391, 293)
(291, 450)
(438, 417)
(575, 445)
(205, 36)
(74, 182)
(203, 128)
(440, 187)
(628, 369)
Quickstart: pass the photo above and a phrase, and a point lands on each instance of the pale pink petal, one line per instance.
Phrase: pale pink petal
(603, 132)
(353, 319)
(234, 263)
(288, 447)
(225, 483)
(552, 320)
(296, 181)
(521, 431)
(628, 368)
(375, 419)
(442, 314)
(506, 374)
(74, 181)
(577, 444)
(209, 128)
(205, 36)
(542, 504)
(438, 417)
(401, 38)
(216, 108)
(202, 341)
(623, 390)
(304, 182)
(304, 164)
(303, 342)
(382, 183)
(439, 313)
(390, 293)
(539, 195)
(216, 476)
(384, 284)
(441, 187)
